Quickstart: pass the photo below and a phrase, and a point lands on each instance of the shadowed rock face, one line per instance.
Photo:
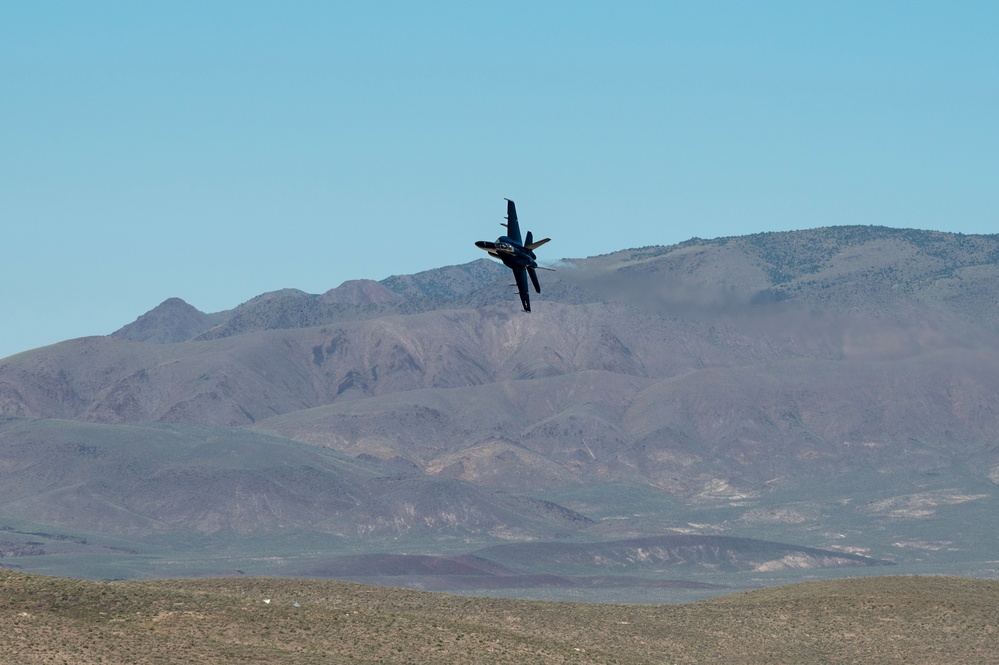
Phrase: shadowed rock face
(737, 372)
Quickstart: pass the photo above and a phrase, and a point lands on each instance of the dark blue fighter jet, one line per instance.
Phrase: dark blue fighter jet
(517, 254)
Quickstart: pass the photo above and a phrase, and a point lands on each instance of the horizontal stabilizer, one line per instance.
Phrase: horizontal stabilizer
(534, 245)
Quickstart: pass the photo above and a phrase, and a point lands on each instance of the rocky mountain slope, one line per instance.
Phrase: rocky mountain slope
(814, 386)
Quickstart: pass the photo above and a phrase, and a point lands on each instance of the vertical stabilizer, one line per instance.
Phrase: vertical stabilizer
(534, 279)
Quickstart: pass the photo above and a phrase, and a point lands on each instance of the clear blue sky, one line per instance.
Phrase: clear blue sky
(217, 150)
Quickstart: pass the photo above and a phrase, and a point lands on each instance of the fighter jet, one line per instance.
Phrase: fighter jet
(517, 254)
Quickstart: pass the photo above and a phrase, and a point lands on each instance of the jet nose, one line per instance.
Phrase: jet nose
(481, 244)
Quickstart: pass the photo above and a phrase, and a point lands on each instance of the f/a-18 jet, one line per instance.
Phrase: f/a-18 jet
(517, 254)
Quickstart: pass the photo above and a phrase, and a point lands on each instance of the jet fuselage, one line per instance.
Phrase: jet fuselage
(516, 254)
(511, 254)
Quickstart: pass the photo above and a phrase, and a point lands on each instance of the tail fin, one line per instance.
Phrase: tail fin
(531, 245)
(534, 279)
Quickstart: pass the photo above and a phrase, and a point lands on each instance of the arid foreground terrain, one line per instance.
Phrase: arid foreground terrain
(873, 620)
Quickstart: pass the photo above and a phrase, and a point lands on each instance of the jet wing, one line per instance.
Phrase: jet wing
(512, 225)
(520, 273)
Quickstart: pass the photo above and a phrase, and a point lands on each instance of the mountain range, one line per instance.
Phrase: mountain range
(836, 388)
